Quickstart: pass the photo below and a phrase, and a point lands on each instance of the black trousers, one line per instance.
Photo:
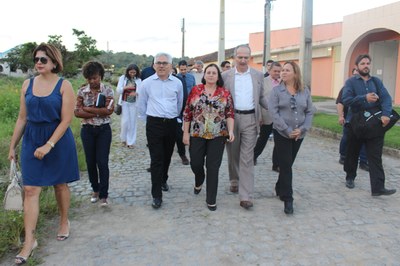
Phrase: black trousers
(374, 148)
(179, 143)
(210, 151)
(265, 131)
(287, 150)
(160, 133)
(96, 141)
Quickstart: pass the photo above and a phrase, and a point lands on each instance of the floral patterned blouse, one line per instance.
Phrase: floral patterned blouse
(85, 97)
(207, 115)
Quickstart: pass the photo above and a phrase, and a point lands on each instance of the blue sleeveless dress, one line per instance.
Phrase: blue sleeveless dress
(60, 165)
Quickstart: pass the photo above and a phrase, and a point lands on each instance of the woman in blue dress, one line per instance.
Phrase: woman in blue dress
(48, 152)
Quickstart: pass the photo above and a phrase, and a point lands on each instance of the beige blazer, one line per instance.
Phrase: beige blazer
(258, 90)
(266, 119)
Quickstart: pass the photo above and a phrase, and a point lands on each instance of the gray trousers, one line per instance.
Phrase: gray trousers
(241, 155)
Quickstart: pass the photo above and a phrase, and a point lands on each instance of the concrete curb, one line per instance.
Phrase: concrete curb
(329, 134)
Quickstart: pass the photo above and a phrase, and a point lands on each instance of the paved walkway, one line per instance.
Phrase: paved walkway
(332, 225)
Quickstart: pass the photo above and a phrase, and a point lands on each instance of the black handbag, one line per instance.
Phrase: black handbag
(118, 109)
(367, 123)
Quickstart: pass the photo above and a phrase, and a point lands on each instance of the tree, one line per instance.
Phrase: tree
(71, 65)
(20, 57)
(86, 47)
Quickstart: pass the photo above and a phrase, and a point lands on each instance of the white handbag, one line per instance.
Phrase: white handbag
(14, 197)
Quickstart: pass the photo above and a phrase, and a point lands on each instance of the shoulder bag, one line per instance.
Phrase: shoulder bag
(367, 123)
(14, 197)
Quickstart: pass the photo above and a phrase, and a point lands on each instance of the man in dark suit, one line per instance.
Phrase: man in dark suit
(246, 86)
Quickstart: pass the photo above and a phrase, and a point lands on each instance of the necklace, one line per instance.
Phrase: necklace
(208, 91)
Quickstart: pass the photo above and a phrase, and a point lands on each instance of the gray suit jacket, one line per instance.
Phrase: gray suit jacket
(258, 90)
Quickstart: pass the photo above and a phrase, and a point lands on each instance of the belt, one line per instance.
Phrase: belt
(160, 119)
(94, 126)
(245, 112)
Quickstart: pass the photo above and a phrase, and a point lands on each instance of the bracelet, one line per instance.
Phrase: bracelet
(51, 144)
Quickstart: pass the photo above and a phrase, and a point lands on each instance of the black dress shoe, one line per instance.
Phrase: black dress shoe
(164, 187)
(148, 169)
(384, 192)
(341, 161)
(156, 203)
(196, 190)
(288, 207)
(350, 183)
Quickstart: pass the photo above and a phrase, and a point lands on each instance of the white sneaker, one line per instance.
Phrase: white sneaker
(95, 197)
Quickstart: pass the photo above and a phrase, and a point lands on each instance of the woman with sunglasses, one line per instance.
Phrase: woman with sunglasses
(291, 110)
(96, 132)
(208, 123)
(48, 153)
(127, 88)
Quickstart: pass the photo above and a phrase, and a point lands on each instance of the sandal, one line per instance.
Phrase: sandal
(62, 237)
(19, 260)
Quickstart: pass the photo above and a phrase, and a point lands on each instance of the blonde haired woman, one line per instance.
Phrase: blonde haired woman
(291, 109)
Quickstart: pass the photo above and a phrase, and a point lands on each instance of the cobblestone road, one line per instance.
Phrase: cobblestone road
(332, 225)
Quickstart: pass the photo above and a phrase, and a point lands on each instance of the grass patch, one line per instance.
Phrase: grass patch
(12, 222)
(320, 99)
(327, 121)
(330, 122)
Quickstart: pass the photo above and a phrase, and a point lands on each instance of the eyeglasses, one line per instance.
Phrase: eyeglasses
(42, 60)
(293, 103)
(243, 57)
(162, 63)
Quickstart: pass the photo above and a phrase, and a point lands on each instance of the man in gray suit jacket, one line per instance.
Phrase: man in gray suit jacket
(246, 86)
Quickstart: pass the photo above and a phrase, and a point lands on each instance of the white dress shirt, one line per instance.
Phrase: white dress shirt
(244, 99)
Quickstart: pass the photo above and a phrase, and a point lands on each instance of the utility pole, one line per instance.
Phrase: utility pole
(306, 42)
(183, 37)
(221, 39)
(267, 32)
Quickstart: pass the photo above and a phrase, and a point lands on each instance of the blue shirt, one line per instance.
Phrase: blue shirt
(355, 91)
(147, 72)
(190, 81)
(160, 98)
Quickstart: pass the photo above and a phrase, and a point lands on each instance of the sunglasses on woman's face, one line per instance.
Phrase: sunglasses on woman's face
(42, 60)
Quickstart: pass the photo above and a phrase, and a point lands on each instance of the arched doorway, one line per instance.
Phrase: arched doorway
(383, 47)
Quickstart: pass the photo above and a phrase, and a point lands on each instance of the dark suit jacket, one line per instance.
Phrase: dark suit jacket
(258, 90)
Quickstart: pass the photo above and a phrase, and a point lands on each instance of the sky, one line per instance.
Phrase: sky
(152, 26)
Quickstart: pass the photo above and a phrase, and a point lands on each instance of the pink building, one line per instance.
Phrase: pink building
(336, 45)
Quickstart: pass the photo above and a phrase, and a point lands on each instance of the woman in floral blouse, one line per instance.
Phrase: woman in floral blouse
(96, 132)
(208, 123)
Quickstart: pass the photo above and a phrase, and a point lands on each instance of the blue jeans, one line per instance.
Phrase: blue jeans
(344, 145)
(96, 142)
